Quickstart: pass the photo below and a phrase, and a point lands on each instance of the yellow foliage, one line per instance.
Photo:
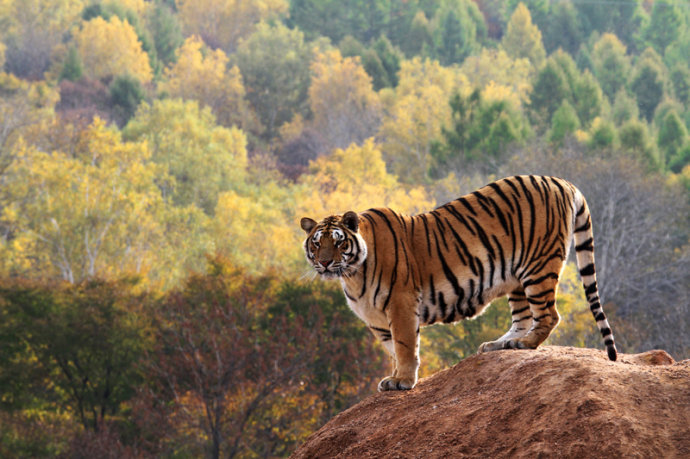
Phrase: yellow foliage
(112, 48)
(493, 92)
(206, 78)
(356, 179)
(523, 38)
(342, 99)
(255, 231)
(222, 23)
(138, 6)
(418, 112)
(94, 211)
(493, 67)
(51, 17)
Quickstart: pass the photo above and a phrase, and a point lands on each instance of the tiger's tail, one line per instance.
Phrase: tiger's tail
(584, 252)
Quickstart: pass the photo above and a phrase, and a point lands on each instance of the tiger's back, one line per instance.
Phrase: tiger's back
(510, 237)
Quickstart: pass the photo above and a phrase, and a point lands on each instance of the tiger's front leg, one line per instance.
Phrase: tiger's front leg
(404, 325)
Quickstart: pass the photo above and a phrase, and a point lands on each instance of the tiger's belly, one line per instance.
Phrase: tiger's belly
(447, 303)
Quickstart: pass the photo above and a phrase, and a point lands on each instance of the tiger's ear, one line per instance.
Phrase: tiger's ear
(351, 221)
(307, 224)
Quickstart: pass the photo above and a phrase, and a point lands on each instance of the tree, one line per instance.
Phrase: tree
(496, 67)
(126, 94)
(550, 89)
(356, 179)
(648, 82)
(624, 108)
(24, 106)
(206, 78)
(588, 98)
(32, 30)
(166, 32)
(219, 361)
(455, 34)
(222, 23)
(127, 12)
(86, 213)
(565, 121)
(624, 19)
(479, 133)
(637, 142)
(110, 48)
(673, 137)
(562, 29)
(274, 62)
(664, 27)
(201, 159)
(345, 107)
(418, 112)
(680, 78)
(72, 68)
(79, 347)
(523, 39)
(610, 64)
(419, 38)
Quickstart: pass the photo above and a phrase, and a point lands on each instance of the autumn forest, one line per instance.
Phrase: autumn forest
(156, 157)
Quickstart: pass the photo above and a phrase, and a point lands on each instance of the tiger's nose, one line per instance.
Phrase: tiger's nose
(325, 263)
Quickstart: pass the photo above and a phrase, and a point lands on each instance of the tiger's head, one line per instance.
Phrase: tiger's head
(334, 246)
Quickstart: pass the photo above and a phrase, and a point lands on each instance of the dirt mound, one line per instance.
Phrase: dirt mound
(554, 401)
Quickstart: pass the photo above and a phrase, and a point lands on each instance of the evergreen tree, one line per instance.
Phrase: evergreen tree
(647, 83)
(72, 69)
(673, 137)
(565, 121)
(610, 64)
(523, 38)
(126, 94)
(562, 29)
(664, 26)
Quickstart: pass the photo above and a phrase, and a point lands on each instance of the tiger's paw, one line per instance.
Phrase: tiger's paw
(515, 343)
(393, 383)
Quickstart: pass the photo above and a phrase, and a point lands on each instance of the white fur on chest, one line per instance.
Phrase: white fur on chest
(365, 309)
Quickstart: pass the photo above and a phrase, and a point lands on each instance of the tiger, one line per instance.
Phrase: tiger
(510, 237)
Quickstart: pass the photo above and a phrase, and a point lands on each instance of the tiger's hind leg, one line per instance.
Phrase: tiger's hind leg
(522, 320)
(541, 296)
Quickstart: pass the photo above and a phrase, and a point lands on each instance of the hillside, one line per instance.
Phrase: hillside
(556, 401)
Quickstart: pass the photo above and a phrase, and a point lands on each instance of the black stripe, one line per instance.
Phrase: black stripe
(518, 311)
(446, 269)
(500, 192)
(454, 212)
(539, 280)
(605, 332)
(600, 316)
(549, 304)
(591, 289)
(426, 233)
(581, 211)
(501, 256)
(587, 270)
(480, 200)
(432, 294)
(541, 294)
(467, 205)
(587, 225)
(442, 304)
(521, 319)
(587, 245)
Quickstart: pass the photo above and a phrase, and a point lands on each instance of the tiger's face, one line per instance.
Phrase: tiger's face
(334, 246)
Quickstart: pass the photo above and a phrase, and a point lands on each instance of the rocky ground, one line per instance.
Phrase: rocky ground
(550, 402)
